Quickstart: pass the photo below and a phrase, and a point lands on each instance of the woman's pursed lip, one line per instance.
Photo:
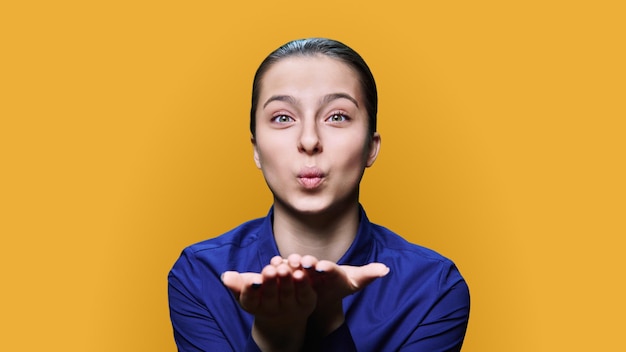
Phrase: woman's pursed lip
(311, 177)
(310, 182)
(311, 172)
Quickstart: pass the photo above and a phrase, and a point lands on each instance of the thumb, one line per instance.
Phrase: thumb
(233, 281)
(236, 282)
(364, 275)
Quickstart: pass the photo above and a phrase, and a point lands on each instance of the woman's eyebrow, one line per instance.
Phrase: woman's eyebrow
(325, 100)
(334, 96)
(286, 98)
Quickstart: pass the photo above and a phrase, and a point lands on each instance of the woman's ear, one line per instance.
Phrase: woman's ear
(374, 149)
(257, 159)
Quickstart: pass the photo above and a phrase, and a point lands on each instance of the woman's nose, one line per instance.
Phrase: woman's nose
(310, 142)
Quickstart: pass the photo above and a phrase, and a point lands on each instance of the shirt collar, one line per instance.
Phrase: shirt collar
(357, 254)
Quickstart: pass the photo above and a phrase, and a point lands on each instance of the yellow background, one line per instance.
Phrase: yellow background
(123, 138)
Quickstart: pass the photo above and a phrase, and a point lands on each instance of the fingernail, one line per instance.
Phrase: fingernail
(256, 286)
(319, 271)
(307, 267)
(222, 277)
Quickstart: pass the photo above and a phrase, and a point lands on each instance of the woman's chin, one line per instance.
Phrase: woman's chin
(305, 205)
(314, 206)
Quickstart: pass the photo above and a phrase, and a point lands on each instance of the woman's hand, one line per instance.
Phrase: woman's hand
(298, 294)
(332, 283)
(281, 299)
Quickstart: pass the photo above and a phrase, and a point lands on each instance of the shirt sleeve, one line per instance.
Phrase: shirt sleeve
(444, 327)
(195, 328)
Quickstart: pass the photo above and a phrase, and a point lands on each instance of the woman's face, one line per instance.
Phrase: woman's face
(311, 139)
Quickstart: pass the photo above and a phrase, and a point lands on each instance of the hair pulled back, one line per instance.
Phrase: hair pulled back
(327, 47)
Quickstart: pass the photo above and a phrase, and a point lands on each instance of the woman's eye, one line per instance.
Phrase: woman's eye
(337, 118)
(282, 119)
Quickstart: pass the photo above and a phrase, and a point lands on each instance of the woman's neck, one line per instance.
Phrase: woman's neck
(324, 236)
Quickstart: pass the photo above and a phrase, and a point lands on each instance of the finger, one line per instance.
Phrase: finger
(276, 260)
(269, 291)
(377, 269)
(308, 262)
(285, 284)
(283, 270)
(324, 275)
(346, 279)
(364, 275)
(250, 298)
(294, 261)
(325, 266)
(298, 275)
(304, 293)
(233, 281)
(240, 284)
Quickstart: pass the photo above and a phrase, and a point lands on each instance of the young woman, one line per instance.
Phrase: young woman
(315, 274)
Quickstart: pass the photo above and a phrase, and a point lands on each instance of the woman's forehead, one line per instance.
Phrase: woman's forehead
(309, 74)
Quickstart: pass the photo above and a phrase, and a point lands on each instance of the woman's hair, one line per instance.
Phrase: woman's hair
(332, 49)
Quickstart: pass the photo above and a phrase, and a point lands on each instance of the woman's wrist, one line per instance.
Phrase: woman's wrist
(325, 320)
(273, 336)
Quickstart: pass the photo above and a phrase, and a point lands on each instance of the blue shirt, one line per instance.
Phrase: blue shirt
(421, 305)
